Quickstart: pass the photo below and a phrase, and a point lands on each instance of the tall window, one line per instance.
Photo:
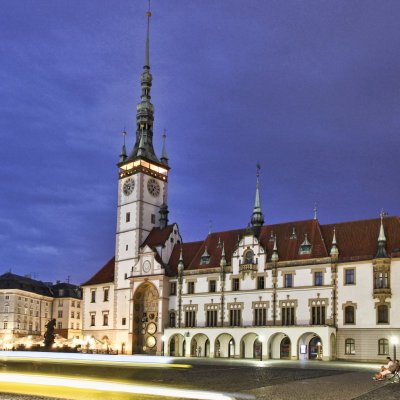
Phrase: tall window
(318, 278)
(235, 284)
(172, 289)
(260, 282)
(235, 317)
(249, 257)
(381, 280)
(349, 277)
(5, 324)
(190, 287)
(106, 292)
(318, 315)
(287, 315)
(72, 314)
(350, 346)
(213, 286)
(383, 314)
(59, 325)
(288, 280)
(92, 319)
(190, 318)
(105, 319)
(211, 318)
(172, 320)
(260, 316)
(60, 314)
(127, 217)
(93, 296)
(383, 347)
(349, 315)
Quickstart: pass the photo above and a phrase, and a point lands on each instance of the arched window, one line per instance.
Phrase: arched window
(248, 257)
(383, 314)
(172, 320)
(349, 315)
(383, 347)
(350, 346)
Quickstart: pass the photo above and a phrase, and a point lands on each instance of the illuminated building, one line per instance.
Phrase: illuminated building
(294, 290)
(26, 305)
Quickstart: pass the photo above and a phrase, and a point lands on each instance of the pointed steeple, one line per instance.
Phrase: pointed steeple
(222, 262)
(334, 249)
(163, 213)
(145, 110)
(275, 256)
(257, 218)
(164, 156)
(122, 156)
(180, 263)
(381, 253)
(205, 257)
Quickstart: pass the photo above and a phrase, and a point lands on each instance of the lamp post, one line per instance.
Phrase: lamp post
(260, 339)
(394, 340)
(163, 339)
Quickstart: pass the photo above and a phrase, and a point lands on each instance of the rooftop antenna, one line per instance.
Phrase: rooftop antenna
(68, 278)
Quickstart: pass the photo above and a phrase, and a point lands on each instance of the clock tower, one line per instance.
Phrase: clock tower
(142, 188)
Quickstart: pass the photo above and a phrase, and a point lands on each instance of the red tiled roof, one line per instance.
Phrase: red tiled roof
(105, 275)
(157, 236)
(189, 250)
(356, 240)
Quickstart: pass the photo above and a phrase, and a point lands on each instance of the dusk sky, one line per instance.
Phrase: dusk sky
(309, 89)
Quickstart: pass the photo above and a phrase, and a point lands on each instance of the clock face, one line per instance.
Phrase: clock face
(151, 341)
(128, 186)
(153, 187)
(151, 328)
(146, 266)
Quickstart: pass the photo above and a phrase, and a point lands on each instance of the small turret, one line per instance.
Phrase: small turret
(181, 266)
(381, 253)
(257, 218)
(275, 256)
(222, 262)
(164, 156)
(123, 156)
(334, 249)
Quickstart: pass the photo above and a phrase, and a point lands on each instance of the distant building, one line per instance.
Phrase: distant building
(296, 290)
(26, 305)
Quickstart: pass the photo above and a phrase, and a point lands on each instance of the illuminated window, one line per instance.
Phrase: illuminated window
(350, 346)
(383, 347)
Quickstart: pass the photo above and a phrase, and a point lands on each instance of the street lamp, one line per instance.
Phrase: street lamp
(394, 340)
(260, 339)
(163, 339)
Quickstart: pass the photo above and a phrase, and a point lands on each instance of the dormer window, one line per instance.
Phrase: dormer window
(305, 247)
(248, 257)
(205, 258)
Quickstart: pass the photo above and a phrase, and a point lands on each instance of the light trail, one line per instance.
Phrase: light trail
(100, 359)
(100, 386)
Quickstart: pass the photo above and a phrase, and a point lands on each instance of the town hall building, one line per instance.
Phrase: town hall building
(294, 290)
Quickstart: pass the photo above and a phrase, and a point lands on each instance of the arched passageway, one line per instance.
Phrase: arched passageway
(200, 346)
(176, 346)
(224, 345)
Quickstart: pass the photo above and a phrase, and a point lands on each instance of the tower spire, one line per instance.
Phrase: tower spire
(164, 156)
(334, 249)
(145, 110)
(257, 218)
(164, 212)
(122, 156)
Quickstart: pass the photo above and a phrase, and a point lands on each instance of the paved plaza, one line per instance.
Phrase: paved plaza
(275, 380)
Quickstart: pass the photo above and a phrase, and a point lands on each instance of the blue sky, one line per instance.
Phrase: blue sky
(310, 89)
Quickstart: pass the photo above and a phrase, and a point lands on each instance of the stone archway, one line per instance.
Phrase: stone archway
(145, 319)
(274, 345)
(309, 346)
(250, 347)
(285, 348)
(200, 345)
(176, 346)
(224, 345)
